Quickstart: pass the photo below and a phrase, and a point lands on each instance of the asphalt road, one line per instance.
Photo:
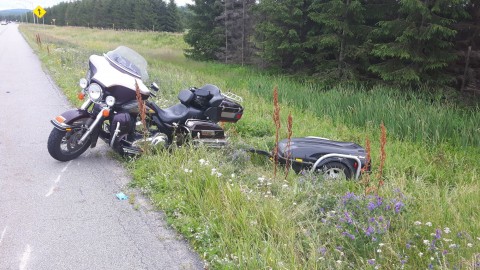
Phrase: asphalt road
(56, 215)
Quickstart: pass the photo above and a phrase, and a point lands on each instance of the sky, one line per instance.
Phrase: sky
(31, 4)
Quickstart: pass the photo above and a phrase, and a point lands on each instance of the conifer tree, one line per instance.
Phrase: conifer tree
(172, 23)
(282, 31)
(416, 46)
(341, 38)
(203, 36)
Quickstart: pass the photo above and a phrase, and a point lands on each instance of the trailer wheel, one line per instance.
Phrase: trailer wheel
(335, 170)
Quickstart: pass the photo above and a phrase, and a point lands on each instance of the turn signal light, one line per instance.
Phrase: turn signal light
(60, 119)
(106, 113)
(81, 96)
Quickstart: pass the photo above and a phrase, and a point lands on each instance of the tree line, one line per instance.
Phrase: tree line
(403, 42)
(153, 15)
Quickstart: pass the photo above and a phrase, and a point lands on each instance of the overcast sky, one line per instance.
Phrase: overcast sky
(31, 4)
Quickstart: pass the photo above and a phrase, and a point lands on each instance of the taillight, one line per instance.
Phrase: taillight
(238, 116)
(355, 165)
(81, 96)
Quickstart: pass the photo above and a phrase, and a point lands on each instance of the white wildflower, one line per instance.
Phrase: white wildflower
(420, 254)
(339, 262)
(379, 250)
(453, 246)
(219, 174)
(447, 240)
(214, 171)
(469, 245)
(417, 223)
(284, 186)
(381, 244)
(446, 230)
(431, 258)
(429, 224)
(202, 161)
(426, 242)
(261, 179)
(233, 175)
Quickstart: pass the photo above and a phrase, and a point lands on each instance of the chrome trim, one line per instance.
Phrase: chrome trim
(117, 130)
(92, 126)
(60, 126)
(357, 174)
(86, 104)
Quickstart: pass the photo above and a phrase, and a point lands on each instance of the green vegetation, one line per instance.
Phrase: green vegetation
(402, 43)
(238, 216)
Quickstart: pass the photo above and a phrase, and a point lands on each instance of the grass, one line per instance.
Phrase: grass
(237, 215)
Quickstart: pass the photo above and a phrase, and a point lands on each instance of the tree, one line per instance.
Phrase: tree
(416, 46)
(203, 36)
(236, 22)
(172, 23)
(340, 41)
(281, 33)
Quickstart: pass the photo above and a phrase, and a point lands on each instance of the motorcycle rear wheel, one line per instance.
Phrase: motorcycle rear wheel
(64, 146)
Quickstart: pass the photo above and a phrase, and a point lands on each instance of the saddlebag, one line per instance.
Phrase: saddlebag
(206, 133)
(227, 111)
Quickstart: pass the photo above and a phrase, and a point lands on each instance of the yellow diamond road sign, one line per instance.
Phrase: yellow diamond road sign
(39, 11)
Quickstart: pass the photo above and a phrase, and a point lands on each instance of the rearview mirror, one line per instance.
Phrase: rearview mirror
(155, 87)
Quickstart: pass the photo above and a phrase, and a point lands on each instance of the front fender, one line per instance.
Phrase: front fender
(66, 119)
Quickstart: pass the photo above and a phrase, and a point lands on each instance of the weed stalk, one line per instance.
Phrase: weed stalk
(142, 111)
(289, 140)
(276, 120)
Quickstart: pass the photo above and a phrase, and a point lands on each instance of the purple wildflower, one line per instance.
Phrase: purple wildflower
(349, 235)
(371, 206)
(398, 207)
(371, 261)
(369, 231)
(349, 219)
(348, 196)
(438, 234)
(445, 252)
(371, 220)
(430, 266)
(408, 245)
(379, 201)
(323, 250)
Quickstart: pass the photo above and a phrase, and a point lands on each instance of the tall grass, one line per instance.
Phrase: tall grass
(237, 215)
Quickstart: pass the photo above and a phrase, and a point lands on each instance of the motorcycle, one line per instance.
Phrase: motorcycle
(117, 109)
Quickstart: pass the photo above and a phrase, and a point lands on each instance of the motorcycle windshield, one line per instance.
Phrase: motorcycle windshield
(129, 61)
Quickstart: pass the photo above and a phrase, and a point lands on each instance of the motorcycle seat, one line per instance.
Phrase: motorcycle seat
(177, 113)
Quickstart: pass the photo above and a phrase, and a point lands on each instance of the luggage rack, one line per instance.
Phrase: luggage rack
(233, 97)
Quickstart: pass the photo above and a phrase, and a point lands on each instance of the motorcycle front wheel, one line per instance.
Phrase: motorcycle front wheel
(64, 145)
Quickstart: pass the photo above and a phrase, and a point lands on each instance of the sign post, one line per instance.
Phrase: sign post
(39, 11)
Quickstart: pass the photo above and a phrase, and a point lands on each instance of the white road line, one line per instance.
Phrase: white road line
(3, 234)
(50, 192)
(58, 179)
(66, 166)
(25, 258)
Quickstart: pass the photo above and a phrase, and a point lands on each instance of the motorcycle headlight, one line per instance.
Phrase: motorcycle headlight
(95, 92)
(110, 101)
(83, 83)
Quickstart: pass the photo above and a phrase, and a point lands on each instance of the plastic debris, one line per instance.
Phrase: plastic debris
(121, 196)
